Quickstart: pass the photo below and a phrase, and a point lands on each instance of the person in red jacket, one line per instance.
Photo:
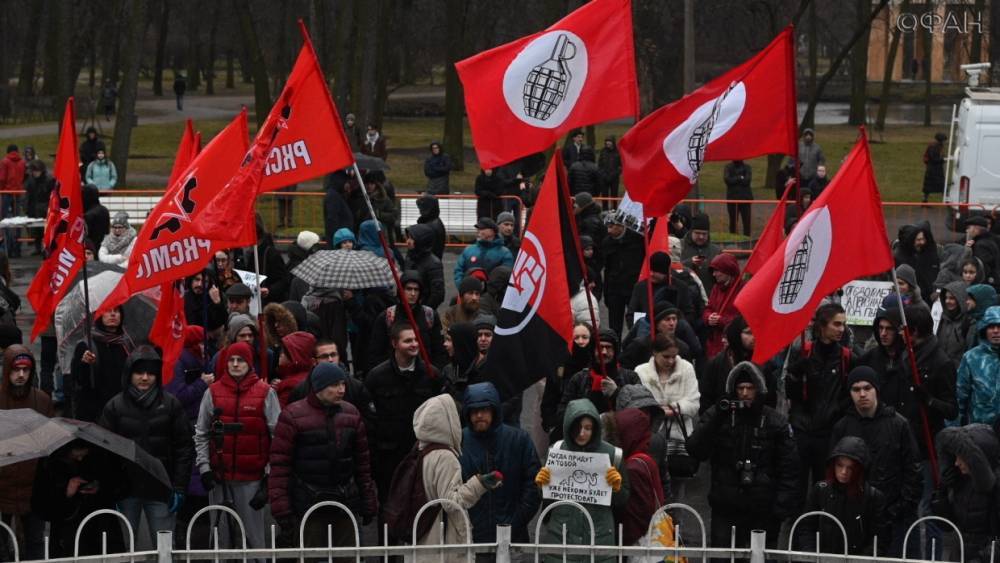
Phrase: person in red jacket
(233, 441)
(646, 496)
(321, 440)
(12, 174)
(294, 363)
(726, 272)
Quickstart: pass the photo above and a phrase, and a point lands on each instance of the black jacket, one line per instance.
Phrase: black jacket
(160, 426)
(589, 223)
(430, 212)
(816, 386)
(95, 215)
(93, 386)
(199, 307)
(396, 396)
(895, 468)
(421, 258)
(428, 322)
(926, 263)
(737, 178)
(488, 191)
(676, 293)
(584, 176)
(622, 263)
(580, 386)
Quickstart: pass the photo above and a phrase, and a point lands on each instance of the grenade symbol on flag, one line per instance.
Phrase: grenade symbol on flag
(546, 85)
(795, 273)
(698, 141)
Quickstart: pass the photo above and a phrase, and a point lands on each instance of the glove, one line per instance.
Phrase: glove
(208, 480)
(492, 480)
(614, 479)
(176, 502)
(543, 477)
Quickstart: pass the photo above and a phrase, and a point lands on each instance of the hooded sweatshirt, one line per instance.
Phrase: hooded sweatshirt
(953, 329)
(717, 299)
(430, 212)
(926, 263)
(971, 501)
(985, 297)
(298, 347)
(645, 488)
(436, 422)
(16, 480)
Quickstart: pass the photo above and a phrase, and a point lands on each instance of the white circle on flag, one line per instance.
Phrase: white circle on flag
(806, 253)
(526, 286)
(685, 146)
(543, 82)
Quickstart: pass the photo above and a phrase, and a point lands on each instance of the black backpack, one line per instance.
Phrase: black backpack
(407, 496)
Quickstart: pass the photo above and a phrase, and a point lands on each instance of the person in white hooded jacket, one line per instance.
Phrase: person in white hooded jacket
(437, 422)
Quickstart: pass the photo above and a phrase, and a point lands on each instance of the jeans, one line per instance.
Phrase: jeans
(157, 516)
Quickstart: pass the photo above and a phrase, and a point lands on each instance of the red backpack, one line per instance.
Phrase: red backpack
(407, 496)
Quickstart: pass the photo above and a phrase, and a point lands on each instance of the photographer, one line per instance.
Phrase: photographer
(755, 467)
(233, 441)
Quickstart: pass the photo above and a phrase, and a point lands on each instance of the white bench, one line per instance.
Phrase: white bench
(137, 206)
(458, 215)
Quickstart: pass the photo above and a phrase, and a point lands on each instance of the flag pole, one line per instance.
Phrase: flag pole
(395, 274)
(925, 421)
(649, 283)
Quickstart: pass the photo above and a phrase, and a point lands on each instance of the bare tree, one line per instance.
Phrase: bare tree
(212, 42)
(859, 66)
(262, 95)
(890, 63)
(161, 47)
(454, 100)
(135, 33)
(193, 57)
(29, 51)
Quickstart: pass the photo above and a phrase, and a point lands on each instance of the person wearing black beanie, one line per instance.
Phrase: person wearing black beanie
(599, 383)
(664, 289)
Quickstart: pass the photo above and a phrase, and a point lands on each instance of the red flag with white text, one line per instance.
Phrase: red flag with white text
(747, 112)
(65, 229)
(524, 96)
(167, 331)
(840, 238)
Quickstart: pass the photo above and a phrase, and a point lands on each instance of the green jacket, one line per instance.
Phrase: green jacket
(577, 528)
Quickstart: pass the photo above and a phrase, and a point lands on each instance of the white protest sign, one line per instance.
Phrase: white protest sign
(862, 299)
(250, 280)
(578, 476)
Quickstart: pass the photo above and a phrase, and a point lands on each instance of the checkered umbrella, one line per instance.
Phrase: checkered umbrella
(344, 269)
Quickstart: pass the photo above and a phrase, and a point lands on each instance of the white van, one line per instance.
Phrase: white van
(973, 168)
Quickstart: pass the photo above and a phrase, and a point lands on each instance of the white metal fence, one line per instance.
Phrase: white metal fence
(503, 550)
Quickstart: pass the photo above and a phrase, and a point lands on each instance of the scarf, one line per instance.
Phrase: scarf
(113, 338)
(118, 244)
(371, 139)
(144, 399)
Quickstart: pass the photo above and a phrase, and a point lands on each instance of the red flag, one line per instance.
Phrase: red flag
(659, 241)
(186, 151)
(841, 237)
(770, 238)
(65, 229)
(311, 140)
(167, 248)
(167, 331)
(535, 323)
(579, 71)
(747, 112)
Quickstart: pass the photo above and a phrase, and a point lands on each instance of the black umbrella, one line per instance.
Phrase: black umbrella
(28, 434)
(370, 163)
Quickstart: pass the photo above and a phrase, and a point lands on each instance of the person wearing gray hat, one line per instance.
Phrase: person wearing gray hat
(238, 298)
(117, 245)
(487, 252)
(507, 226)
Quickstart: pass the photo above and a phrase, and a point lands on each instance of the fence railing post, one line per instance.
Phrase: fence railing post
(164, 546)
(503, 544)
(758, 539)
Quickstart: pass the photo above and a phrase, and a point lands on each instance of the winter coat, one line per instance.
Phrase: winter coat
(273, 266)
(428, 322)
(623, 258)
(896, 465)
(430, 214)
(48, 494)
(496, 286)
(95, 215)
(508, 450)
(977, 389)
(421, 258)
(488, 190)
(737, 178)
(676, 294)
(637, 348)
(199, 307)
(571, 153)
(89, 148)
(12, 172)
(708, 250)
(437, 169)
(337, 214)
(585, 384)
(93, 385)
(436, 422)
(926, 263)
(189, 388)
(482, 254)
(645, 489)
(985, 248)
(716, 373)
(16, 479)
(680, 390)
(576, 525)
(298, 347)
(376, 148)
(609, 162)
(589, 223)
(758, 434)
(584, 176)
(638, 397)
(38, 191)
(320, 452)
(816, 386)
(810, 156)
(953, 329)
(103, 174)
(985, 297)
(971, 501)
(396, 395)
(717, 298)
(862, 515)
(934, 171)
(158, 425)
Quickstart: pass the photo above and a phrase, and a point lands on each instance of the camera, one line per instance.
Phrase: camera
(747, 470)
(220, 429)
(727, 405)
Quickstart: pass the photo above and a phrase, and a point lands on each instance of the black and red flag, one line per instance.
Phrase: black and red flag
(534, 329)
(65, 230)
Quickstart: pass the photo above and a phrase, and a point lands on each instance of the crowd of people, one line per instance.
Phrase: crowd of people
(339, 394)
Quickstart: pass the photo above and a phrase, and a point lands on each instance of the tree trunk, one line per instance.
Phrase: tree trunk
(135, 31)
(54, 40)
(928, 61)
(344, 67)
(262, 95)
(210, 59)
(79, 28)
(194, 48)
(689, 36)
(362, 11)
(813, 52)
(835, 64)
(890, 63)
(230, 70)
(454, 102)
(383, 60)
(109, 35)
(92, 56)
(29, 53)
(859, 67)
(161, 49)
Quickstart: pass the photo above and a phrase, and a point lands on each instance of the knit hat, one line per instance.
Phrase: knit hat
(608, 335)
(700, 222)
(659, 262)
(23, 361)
(325, 374)
(505, 217)
(470, 284)
(583, 199)
(306, 240)
(193, 335)
(863, 373)
(239, 291)
(488, 322)
(120, 219)
(486, 223)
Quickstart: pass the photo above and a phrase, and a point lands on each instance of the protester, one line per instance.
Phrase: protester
(721, 309)
(38, 187)
(430, 214)
(466, 308)
(934, 158)
(487, 252)
(344, 239)
(95, 215)
(645, 488)
(740, 344)
(910, 292)
(895, 464)
(818, 183)
(238, 298)
(437, 169)
(581, 358)
(602, 380)
(224, 270)
(637, 396)
(810, 155)
(507, 226)
(18, 391)
(588, 217)
(979, 375)
(203, 304)
(583, 174)
(573, 148)
(737, 176)
(983, 245)
(320, 453)
(353, 131)
(427, 319)
(489, 445)
(979, 297)
(669, 321)
(275, 288)
(582, 428)
(157, 423)
(421, 258)
(623, 251)
(755, 466)
(698, 250)
(117, 245)
(917, 249)
(664, 289)
(295, 361)
(953, 328)
(236, 420)
(12, 175)
(847, 495)
(96, 374)
(609, 163)
(102, 172)
(373, 143)
(491, 300)
(88, 149)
